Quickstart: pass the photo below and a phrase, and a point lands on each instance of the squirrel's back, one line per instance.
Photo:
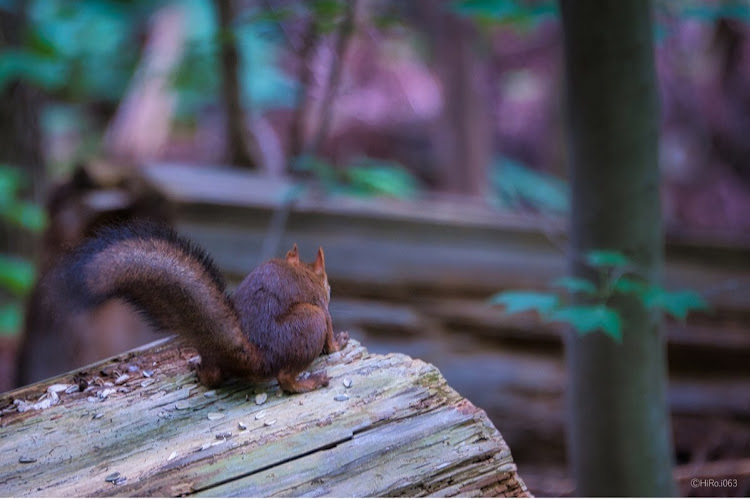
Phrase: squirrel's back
(274, 303)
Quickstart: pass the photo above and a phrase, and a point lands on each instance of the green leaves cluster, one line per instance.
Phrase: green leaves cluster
(364, 177)
(616, 277)
(708, 12)
(14, 210)
(197, 82)
(515, 185)
(518, 13)
(76, 48)
(16, 274)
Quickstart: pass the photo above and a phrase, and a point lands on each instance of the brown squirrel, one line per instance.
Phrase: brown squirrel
(273, 325)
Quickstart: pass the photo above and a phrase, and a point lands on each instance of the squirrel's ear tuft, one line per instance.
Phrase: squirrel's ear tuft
(292, 256)
(319, 267)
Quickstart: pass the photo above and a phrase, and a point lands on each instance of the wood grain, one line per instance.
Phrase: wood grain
(399, 430)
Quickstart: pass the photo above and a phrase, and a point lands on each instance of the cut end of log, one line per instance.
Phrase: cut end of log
(386, 425)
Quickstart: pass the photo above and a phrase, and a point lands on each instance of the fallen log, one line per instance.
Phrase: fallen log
(139, 424)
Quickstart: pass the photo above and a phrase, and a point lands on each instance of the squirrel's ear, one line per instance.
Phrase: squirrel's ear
(292, 256)
(319, 267)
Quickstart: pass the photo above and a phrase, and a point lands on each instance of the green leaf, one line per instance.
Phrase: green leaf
(504, 11)
(11, 319)
(26, 215)
(675, 303)
(521, 301)
(322, 170)
(381, 178)
(48, 73)
(327, 13)
(327, 8)
(515, 184)
(626, 285)
(575, 285)
(16, 274)
(605, 258)
(10, 183)
(589, 318)
(39, 43)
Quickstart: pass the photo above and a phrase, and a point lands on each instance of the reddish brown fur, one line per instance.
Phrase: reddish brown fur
(283, 306)
(274, 325)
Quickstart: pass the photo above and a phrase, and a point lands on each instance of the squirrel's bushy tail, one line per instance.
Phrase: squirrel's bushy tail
(173, 283)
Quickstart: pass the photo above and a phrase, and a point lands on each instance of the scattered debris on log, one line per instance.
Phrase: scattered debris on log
(139, 424)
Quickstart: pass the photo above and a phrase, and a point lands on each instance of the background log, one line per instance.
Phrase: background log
(143, 426)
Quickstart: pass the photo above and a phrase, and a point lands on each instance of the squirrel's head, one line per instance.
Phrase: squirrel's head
(318, 267)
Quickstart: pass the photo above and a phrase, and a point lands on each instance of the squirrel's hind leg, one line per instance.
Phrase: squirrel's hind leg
(289, 382)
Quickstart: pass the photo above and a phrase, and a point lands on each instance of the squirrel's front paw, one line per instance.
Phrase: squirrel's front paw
(342, 339)
(320, 379)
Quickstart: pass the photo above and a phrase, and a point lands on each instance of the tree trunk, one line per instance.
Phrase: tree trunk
(345, 34)
(461, 134)
(619, 431)
(141, 126)
(20, 140)
(238, 150)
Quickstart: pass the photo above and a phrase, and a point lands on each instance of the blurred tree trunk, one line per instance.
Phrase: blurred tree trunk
(238, 149)
(345, 32)
(462, 134)
(21, 147)
(20, 140)
(619, 436)
(141, 126)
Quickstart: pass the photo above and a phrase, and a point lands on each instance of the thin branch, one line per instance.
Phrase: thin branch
(345, 32)
(302, 108)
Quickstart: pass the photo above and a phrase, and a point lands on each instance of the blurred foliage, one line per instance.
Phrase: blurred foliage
(327, 13)
(617, 277)
(197, 83)
(14, 210)
(365, 177)
(527, 13)
(81, 49)
(707, 12)
(516, 186)
(516, 13)
(86, 51)
(16, 274)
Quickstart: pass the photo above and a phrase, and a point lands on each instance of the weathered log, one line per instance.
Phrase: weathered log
(386, 425)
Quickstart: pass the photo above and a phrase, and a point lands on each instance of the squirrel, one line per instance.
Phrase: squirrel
(273, 326)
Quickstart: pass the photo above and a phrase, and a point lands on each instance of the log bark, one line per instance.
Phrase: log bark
(398, 430)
